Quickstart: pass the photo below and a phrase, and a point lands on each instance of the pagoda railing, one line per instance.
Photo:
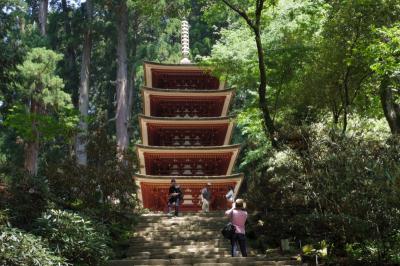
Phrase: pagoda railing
(184, 107)
(184, 81)
(170, 135)
(187, 164)
(155, 196)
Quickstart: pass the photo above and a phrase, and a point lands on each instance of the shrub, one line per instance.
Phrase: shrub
(342, 189)
(73, 237)
(104, 190)
(20, 248)
(26, 198)
(4, 219)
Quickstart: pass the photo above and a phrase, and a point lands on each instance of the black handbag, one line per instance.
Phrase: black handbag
(228, 231)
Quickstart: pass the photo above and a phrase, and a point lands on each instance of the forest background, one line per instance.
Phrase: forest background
(317, 105)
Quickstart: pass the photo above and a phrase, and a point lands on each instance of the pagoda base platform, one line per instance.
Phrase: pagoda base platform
(153, 192)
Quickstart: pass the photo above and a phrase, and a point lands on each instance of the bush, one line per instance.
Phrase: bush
(342, 189)
(4, 219)
(100, 189)
(26, 198)
(104, 190)
(73, 237)
(20, 248)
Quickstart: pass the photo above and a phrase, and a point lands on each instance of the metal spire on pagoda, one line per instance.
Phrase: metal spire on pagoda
(185, 42)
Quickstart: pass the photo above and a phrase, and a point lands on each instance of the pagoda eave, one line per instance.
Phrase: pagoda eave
(159, 102)
(161, 131)
(198, 161)
(162, 75)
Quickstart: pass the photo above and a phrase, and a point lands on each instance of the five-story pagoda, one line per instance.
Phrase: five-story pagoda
(186, 133)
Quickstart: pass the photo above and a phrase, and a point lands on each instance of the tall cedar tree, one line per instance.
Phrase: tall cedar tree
(84, 83)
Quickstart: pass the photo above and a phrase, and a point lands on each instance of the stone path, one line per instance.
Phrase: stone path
(192, 239)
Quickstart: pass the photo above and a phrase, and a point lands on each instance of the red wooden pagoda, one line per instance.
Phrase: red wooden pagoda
(186, 134)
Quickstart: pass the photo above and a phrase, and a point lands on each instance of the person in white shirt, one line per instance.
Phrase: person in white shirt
(230, 196)
(206, 198)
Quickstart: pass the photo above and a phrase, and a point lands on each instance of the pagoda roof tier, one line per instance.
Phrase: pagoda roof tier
(153, 192)
(188, 103)
(186, 132)
(189, 161)
(180, 76)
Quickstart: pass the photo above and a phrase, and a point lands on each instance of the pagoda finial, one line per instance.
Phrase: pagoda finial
(185, 42)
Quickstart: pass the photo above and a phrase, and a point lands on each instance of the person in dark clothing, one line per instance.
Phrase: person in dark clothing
(174, 196)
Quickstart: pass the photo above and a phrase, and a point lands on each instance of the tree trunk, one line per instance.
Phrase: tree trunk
(346, 100)
(132, 77)
(31, 149)
(81, 139)
(122, 81)
(269, 127)
(131, 93)
(391, 109)
(71, 82)
(43, 9)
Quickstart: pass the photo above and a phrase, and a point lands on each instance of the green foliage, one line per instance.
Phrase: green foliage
(38, 79)
(4, 219)
(368, 252)
(385, 51)
(73, 237)
(27, 196)
(49, 126)
(342, 190)
(38, 83)
(103, 190)
(20, 248)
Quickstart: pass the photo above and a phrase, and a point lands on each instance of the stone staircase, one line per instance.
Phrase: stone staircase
(191, 239)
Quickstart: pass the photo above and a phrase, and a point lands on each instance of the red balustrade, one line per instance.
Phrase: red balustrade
(186, 135)
(172, 164)
(155, 196)
(175, 106)
(192, 80)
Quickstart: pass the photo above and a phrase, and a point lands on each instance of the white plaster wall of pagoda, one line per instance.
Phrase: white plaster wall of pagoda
(198, 121)
(141, 149)
(147, 92)
(166, 180)
(148, 66)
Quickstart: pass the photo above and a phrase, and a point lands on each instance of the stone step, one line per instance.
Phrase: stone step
(161, 244)
(184, 214)
(237, 261)
(152, 246)
(178, 238)
(177, 249)
(189, 226)
(179, 255)
(191, 239)
(178, 229)
(178, 234)
(159, 224)
(184, 218)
